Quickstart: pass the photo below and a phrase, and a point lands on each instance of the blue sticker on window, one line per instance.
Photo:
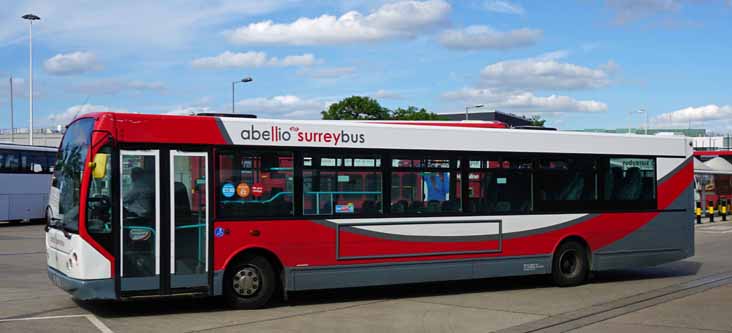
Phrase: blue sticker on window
(228, 190)
(219, 232)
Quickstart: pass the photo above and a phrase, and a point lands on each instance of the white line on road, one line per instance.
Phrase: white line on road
(92, 319)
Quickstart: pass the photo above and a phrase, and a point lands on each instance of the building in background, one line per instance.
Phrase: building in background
(49, 137)
(510, 119)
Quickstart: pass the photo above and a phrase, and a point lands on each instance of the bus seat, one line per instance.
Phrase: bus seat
(631, 184)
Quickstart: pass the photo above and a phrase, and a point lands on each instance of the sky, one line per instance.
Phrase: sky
(577, 63)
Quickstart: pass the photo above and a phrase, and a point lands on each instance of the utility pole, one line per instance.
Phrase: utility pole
(12, 127)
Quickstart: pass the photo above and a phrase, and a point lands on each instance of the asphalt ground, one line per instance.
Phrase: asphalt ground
(694, 295)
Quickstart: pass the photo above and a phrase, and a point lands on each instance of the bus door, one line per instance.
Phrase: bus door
(164, 221)
(139, 220)
(188, 219)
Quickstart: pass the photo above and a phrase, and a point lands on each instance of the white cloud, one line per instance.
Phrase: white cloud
(545, 73)
(72, 63)
(483, 37)
(327, 72)
(694, 114)
(252, 59)
(285, 106)
(116, 86)
(122, 25)
(77, 110)
(386, 94)
(504, 7)
(402, 19)
(524, 101)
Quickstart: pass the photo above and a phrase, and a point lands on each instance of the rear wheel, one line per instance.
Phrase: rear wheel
(250, 283)
(571, 264)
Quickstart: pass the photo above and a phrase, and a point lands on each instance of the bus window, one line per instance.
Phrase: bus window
(255, 184)
(629, 179)
(34, 162)
(425, 186)
(10, 161)
(345, 186)
(499, 186)
(99, 205)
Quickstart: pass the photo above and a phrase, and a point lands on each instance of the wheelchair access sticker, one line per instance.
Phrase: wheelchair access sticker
(219, 232)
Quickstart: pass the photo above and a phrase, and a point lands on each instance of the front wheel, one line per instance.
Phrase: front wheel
(571, 264)
(250, 283)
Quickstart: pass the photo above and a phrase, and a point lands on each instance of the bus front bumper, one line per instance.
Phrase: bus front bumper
(83, 289)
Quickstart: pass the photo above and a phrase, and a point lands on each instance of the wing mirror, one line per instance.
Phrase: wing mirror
(99, 165)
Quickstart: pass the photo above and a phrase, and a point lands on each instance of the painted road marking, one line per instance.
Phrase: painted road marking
(91, 318)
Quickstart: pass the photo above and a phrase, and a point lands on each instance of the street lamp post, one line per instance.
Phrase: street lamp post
(30, 18)
(467, 114)
(233, 84)
(630, 119)
(645, 131)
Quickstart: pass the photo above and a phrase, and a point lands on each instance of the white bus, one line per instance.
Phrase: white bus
(25, 176)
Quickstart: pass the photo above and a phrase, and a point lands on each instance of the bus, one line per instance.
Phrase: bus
(25, 176)
(251, 209)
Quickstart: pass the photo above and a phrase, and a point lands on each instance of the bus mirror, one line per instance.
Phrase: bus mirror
(99, 166)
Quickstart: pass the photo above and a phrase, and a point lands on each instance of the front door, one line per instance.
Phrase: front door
(163, 221)
(139, 220)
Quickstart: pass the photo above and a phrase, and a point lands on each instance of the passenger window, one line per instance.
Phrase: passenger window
(425, 186)
(629, 179)
(499, 186)
(566, 179)
(255, 184)
(342, 186)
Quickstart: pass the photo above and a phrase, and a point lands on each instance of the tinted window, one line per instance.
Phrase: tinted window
(628, 179)
(425, 185)
(255, 184)
(344, 186)
(499, 185)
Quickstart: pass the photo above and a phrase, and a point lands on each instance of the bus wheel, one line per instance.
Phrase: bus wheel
(570, 265)
(250, 283)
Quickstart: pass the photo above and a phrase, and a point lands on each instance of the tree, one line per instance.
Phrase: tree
(356, 108)
(412, 113)
(537, 121)
(366, 108)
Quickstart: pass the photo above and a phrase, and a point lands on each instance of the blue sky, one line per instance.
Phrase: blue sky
(578, 63)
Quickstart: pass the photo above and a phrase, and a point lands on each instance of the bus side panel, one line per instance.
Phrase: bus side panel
(4, 207)
(667, 237)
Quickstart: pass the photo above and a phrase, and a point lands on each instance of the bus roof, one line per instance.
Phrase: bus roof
(15, 146)
(435, 135)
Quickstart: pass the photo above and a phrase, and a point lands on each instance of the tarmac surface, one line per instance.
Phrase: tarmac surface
(694, 295)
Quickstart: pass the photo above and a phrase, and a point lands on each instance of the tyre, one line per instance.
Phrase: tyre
(571, 264)
(250, 283)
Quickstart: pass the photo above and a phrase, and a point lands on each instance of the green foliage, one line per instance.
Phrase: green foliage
(413, 113)
(366, 108)
(356, 108)
(537, 121)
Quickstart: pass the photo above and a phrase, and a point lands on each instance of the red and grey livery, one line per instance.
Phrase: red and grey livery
(315, 253)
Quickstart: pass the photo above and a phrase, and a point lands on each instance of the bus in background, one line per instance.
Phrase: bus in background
(250, 208)
(25, 175)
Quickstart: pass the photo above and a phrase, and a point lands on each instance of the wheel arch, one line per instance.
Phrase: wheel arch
(266, 253)
(573, 238)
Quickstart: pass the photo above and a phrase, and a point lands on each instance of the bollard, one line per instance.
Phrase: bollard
(723, 210)
(710, 211)
(698, 213)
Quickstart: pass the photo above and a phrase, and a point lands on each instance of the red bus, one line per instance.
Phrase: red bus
(252, 208)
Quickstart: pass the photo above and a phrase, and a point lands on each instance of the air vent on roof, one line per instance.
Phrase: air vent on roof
(538, 128)
(230, 115)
